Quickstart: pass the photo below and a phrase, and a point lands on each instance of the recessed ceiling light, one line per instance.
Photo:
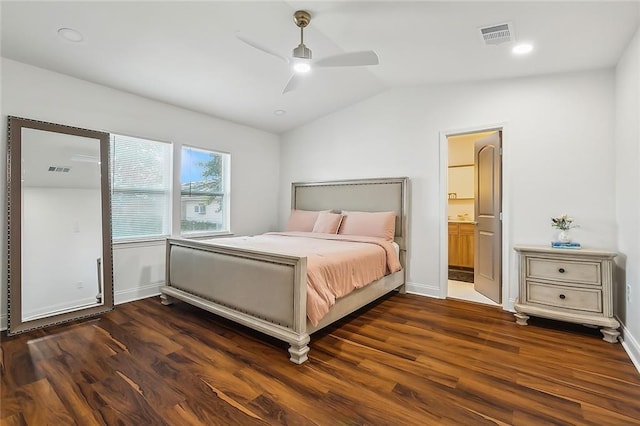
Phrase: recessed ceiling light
(279, 112)
(522, 48)
(69, 34)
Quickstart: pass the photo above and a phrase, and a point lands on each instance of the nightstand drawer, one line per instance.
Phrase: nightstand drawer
(564, 270)
(567, 285)
(582, 299)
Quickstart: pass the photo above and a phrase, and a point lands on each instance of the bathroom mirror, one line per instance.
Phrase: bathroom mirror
(59, 256)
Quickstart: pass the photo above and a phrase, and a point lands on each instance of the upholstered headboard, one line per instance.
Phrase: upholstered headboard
(368, 195)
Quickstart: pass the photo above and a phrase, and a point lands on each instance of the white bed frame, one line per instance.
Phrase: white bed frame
(267, 292)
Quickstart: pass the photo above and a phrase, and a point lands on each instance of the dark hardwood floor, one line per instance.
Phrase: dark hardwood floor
(406, 360)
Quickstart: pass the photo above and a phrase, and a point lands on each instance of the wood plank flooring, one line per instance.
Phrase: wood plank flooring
(405, 360)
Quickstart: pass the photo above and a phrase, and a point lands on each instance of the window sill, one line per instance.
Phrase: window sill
(206, 236)
(160, 241)
(149, 242)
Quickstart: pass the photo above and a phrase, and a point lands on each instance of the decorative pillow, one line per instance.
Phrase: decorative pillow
(301, 220)
(378, 224)
(327, 223)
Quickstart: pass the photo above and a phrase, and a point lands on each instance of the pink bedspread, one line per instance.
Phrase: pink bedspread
(336, 264)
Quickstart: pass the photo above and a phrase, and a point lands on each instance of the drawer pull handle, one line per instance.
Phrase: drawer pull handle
(561, 270)
(562, 296)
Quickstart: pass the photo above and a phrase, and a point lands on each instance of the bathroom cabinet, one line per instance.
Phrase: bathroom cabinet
(461, 244)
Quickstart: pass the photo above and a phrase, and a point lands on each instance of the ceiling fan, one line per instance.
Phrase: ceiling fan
(301, 59)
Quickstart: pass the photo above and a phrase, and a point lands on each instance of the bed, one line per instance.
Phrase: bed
(267, 291)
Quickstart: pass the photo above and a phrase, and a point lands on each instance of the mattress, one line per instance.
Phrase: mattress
(336, 264)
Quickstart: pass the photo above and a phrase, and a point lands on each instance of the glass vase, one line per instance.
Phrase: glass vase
(564, 236)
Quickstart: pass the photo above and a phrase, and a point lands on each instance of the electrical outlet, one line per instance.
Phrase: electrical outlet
(628, 293)
(79, 284)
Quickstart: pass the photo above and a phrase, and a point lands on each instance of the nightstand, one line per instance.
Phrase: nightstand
(567, 285)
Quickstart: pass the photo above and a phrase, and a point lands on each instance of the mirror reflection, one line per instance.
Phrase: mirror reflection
(61, 223)
(59, 258)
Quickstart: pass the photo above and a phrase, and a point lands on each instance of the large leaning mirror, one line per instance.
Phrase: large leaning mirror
(59, 257)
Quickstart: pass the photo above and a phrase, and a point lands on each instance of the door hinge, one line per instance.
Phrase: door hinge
(500, 215)
(500, 150)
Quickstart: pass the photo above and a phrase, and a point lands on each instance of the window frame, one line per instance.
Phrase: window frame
(225, 193)
(170, 192)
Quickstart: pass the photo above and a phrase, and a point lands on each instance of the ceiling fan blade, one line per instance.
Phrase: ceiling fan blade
(260, 47)
(352, 59)
(292, 84)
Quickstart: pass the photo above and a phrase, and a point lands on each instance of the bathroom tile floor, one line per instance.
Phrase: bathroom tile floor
(464, 291)
(461, 275)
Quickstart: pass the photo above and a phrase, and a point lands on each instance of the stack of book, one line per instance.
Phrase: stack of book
(559, 244)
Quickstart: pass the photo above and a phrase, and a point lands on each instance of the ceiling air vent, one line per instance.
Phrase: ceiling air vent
(496, 34)
(59, 169)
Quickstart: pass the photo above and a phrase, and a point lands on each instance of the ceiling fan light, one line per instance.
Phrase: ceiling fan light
(301, 67)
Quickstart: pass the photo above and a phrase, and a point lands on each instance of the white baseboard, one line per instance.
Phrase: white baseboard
(631, 346)
(434, 291)
(509, 305)
(58, 308)
(129, 295)
(423, 290)
(122, 296)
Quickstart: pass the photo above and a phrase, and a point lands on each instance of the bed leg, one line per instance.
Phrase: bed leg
(402, 289)
(166, 300)
(299, 350)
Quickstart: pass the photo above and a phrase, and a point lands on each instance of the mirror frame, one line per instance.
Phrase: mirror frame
(15, 325)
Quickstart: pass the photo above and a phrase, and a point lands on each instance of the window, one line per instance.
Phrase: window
(141, 188)
(204, 191)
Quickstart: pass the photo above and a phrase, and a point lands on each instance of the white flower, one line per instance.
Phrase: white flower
(563, 222)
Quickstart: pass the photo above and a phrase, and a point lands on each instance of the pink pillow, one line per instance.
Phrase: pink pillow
(327, 223)
(302, 220)
(378, 224)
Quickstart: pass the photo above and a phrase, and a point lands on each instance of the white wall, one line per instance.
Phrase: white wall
(627, 146)
(138, 270)
(461, 150)
(558, 145)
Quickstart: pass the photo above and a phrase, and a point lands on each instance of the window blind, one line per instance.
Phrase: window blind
(141, 188)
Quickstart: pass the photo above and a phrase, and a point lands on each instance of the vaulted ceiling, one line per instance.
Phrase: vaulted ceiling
(188, 54)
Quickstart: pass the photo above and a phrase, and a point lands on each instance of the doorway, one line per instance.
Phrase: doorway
(474, 184)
